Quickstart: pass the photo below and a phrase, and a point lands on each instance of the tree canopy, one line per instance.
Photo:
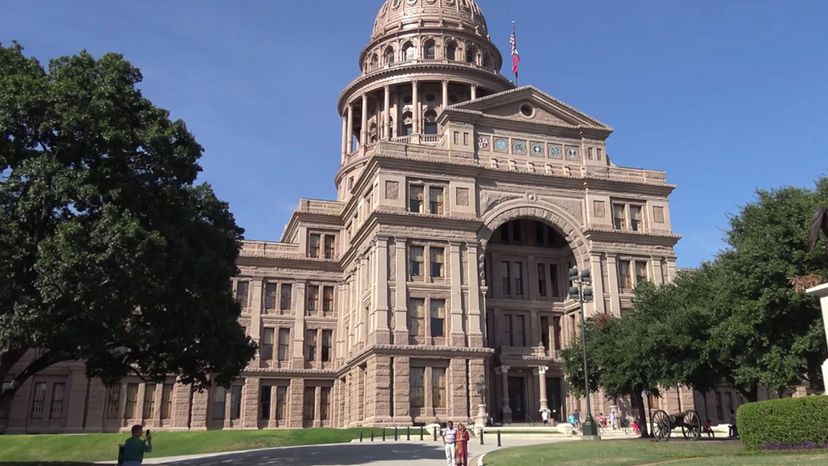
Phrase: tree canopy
(110, 252)
(739, 318)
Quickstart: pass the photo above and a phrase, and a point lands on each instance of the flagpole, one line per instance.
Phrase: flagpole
(514, 34)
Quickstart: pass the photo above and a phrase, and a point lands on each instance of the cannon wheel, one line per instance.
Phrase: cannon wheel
(691, 427)
(660, 424)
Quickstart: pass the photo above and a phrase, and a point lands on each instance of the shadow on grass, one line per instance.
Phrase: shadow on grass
(43, 463)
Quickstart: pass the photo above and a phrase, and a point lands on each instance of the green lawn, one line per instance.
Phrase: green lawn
(102, 447)
(641, 452)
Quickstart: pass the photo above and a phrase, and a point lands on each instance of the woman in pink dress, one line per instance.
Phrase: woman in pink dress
(462, 444)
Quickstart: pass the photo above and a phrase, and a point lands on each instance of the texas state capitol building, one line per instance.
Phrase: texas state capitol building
(440, 268)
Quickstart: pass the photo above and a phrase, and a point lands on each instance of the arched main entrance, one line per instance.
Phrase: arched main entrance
(529, 317)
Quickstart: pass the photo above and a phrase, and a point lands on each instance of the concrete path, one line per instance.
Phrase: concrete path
(428, 453)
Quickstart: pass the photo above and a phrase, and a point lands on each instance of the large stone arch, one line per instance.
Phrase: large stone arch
(533, 208)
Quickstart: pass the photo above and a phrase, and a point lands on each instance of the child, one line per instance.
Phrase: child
(134, 447)
(707, 429)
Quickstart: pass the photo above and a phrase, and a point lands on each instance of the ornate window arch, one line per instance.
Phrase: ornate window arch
(409, 51)
(408, 123)
(389, 55)
(451, 50)
(373, 62)
(430, 118)
(430, 50)
(471, 54)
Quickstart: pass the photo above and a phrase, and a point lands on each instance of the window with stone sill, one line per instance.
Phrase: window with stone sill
(438, 262)
(38, 400)
(624, 277)
(389, 56)
(451, 51)
(270, 292)
(242, 293)
(284, 344)
(285, 299)
(430, 50)
(438, 317)
(219, 400)
(310, 345)
(309, 405)
(314, 242)
(113, 401)
(149, 401)
(417, 387)
(281, 402)
(235, 402)
(166, 400)
(312, 300)
(324, 403)
(627, 217)
(56, 405)
(416, 318)
(266, 346)
(327, 342)
(264, 402)
(438, 387)
(328, 300)
(514, 330)
(641, 275)
(415, 262)
(131, 401)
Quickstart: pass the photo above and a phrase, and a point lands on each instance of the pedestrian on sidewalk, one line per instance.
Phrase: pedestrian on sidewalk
(134, 448)
(545, 416)
(462, 442)
(449, 439)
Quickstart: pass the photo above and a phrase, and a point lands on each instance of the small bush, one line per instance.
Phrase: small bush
(784, 424)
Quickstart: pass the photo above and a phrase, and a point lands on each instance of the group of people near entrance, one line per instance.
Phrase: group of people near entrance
(456, 443)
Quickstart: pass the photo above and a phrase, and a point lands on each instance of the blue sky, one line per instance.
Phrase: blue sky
(725, 96)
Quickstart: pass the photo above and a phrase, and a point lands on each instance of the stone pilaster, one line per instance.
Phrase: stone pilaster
(296, 398)
(380, 293)
(597, 283)
(401, 294)
(614, 292)
(75, 399)
(96, 406)
(475, 330)
(658, 273)
(402, 387)
(378, 391)
(298, 355)
(181, 398)
(201, 401)
(457, 386)
(504, 378)
(541, 373)
(457, 336)
(250, 403)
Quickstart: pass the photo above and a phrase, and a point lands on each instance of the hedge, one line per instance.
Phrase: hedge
(784, 424)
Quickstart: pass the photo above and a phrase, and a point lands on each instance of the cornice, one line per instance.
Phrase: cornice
(414, 351)
(643, 238)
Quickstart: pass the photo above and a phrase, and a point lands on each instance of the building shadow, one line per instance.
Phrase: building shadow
(348, 454)
(43, 463)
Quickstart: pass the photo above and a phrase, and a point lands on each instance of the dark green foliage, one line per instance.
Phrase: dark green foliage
(109, 250)
(789, 423)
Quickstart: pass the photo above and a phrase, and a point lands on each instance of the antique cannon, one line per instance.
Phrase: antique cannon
(662, 424)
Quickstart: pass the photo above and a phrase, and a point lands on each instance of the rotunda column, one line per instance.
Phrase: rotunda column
(415, 102)
(387, 113)
(473, 91)
(445, 94)
(363, 131)
(349, 136)
(344, 137)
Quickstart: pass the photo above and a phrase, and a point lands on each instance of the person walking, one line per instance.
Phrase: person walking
(134, 447)
(449, 439)
(462, 442)
(613, 419)
(545, 416)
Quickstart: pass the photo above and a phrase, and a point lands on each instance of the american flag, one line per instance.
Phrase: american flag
(515, 54)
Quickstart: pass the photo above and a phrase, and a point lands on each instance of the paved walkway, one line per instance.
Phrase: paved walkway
(428, 453)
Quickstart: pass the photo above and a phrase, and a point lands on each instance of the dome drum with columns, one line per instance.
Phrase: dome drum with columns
(441, 265)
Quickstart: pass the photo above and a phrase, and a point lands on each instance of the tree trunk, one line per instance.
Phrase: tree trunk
(8, 390)
(642, 418)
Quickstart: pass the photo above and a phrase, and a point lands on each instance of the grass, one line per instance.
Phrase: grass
(641, 452)
(86, 448)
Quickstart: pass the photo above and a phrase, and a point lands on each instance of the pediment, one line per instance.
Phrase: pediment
(530, 105)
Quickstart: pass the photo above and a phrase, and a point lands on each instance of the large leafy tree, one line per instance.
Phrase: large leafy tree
(110, 252)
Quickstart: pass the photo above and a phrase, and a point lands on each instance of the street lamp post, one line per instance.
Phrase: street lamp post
(582, 292)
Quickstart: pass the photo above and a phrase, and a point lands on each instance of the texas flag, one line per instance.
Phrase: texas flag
(515, 54)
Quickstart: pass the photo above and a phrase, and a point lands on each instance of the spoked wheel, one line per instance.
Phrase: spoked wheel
(660, 423)
(691, 427)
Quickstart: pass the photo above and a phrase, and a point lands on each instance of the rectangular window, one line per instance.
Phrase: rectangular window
(624, 277)
(438, 387)
(539, 233)
(506, 278)
(328, 299)
(556, 327)
(324, 403)
(542, 279)
(438, 317)
(313, 299)
(235, 402)
(555, 280)
(517, 233)
(435, 200)
(166, 400)
(285, 300)
(149, 401)
(266, 347)
(131, 401)
(308, 413)
(619, 218)
(416, 314)
(281, 401)
(640, 272)
(219, 400)
(415, 261)
(544, 323)
(313, 245)
(113, 401)
(438, 261)
(242, 289)
(635, 218)
(520, 330)
(56, 406)
(284, 343)
(417, 380)
(270, 296)
(327, 338)
(264, 402)
(416, 199)
(329, 246)
(519, 278)
(310, 345)
(507, 330)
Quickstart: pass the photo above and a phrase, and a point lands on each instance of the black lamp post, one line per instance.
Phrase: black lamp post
(581, 291)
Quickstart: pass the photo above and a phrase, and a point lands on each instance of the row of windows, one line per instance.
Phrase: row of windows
(417, 384)
(631, 273)
(529, 233)
(322, 245)
(426, 196)
(113, 401)
(627, 217)
(409, 52)
(282, 293)
(55, 408)
(436, 260)
(435, 325)
(266, 348)
(515, 330)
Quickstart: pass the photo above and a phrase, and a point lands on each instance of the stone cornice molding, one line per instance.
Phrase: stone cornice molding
(415, 351)
(609, 235)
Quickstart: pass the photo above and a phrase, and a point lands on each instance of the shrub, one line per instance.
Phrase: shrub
(784, 424)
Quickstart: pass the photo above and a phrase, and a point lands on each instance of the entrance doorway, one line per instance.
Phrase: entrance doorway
(555, 396)
(517, 399)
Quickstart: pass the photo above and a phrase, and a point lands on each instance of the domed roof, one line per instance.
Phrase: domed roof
(396, 14)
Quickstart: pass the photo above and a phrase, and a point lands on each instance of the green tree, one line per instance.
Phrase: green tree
(109, 251)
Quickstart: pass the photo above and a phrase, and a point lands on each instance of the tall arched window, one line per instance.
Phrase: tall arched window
(430, 51)
(451, 51)
(389, 56)
(471, 54)
(373, 63)
(409, 52)
(408, 124)
(373, 136)
(430, 122)
(487, 61)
